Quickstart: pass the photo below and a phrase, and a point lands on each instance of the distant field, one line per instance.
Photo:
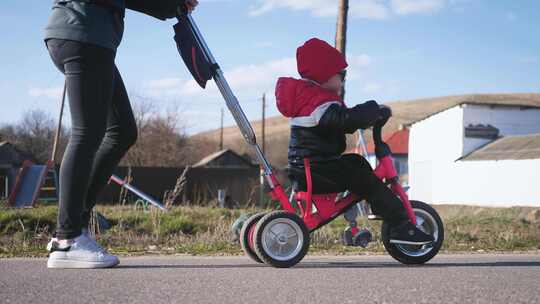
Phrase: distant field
(205, 230)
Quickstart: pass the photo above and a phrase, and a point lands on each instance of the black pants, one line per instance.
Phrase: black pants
(102, 129)
(354, 173)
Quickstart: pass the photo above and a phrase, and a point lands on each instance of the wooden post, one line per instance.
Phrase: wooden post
(263, 138)
(341, 28)
(341, 33)
(221, 132)
(263, 127)
(341, 45)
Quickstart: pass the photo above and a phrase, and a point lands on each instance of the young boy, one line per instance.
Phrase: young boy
(319, 121)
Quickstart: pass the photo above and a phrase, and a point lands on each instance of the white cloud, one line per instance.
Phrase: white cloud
(245, 79)
(164, 83)
(361, 60)
(320, 8)
(357, 66)
(366, 9)
(51, 93)
(264, 44)
(405, 7)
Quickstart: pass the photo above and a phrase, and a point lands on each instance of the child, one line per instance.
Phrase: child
(319, 121)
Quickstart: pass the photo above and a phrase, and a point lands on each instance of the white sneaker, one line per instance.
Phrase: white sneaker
(82, 253)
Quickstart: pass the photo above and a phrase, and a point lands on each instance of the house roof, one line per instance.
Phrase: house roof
(213, 160)
(497, 103)
(508, 148)
(398, 142)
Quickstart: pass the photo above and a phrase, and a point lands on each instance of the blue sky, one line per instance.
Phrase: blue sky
(397, 49)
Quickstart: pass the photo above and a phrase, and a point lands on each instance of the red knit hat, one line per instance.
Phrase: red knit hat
(319, 61)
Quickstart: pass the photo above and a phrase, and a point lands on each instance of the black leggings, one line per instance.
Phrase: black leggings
(354, 173)
(102, 129)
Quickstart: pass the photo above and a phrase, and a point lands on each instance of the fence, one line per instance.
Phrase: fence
(241, 184)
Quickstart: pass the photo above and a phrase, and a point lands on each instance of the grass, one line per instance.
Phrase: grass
(206, 230)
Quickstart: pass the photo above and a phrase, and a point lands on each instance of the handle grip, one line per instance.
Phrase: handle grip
(381, 148)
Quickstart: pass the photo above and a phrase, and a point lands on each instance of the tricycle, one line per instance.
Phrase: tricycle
(281, 238)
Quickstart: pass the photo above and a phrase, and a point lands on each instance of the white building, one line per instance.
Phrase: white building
(477, 154)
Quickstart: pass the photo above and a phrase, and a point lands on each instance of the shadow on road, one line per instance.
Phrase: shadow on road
(428, 265)
(323, 265)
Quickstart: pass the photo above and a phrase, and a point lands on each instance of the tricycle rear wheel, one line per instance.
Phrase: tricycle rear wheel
(246, 236)
(281, 239)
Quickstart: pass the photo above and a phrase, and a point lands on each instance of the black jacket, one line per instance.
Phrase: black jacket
(326, 140)
(91, 21)
(161, 9)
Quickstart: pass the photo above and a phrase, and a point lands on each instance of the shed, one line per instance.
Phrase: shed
(225, 159)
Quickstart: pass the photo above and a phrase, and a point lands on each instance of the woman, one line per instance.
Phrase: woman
(82, 37)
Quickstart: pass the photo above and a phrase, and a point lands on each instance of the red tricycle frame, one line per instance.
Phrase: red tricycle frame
(328, 206)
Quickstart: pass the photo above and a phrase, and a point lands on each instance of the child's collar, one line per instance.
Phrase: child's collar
(319, 85)
(312, 81)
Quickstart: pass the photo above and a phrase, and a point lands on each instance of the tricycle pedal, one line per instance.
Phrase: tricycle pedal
(359, 239)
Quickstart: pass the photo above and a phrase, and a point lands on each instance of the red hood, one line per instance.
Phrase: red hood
(295, 98)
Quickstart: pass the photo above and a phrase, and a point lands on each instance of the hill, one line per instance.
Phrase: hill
(405, 112)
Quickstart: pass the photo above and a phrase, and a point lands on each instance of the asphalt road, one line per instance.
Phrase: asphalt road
(479, 278)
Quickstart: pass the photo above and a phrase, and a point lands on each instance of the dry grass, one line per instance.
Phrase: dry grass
(206, 230)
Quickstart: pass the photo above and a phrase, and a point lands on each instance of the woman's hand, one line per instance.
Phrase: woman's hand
(191, 4)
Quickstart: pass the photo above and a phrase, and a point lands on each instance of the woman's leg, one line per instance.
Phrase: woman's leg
(121, 134)
(89, 74)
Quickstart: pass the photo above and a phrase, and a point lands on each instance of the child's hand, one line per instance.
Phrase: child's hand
(385, 113)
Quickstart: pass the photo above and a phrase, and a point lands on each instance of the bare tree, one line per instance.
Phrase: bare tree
(161, 141)
(34, 135)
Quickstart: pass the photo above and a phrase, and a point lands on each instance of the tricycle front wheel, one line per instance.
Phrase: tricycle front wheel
(427, 220)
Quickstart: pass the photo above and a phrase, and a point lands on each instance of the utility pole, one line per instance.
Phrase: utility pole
(263, 127)
(341, 45)
(341, 32)
(263, 138)
(221, 132)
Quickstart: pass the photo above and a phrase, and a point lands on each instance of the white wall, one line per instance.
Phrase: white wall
(493, 183)
(473, 144)
(436, 143)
